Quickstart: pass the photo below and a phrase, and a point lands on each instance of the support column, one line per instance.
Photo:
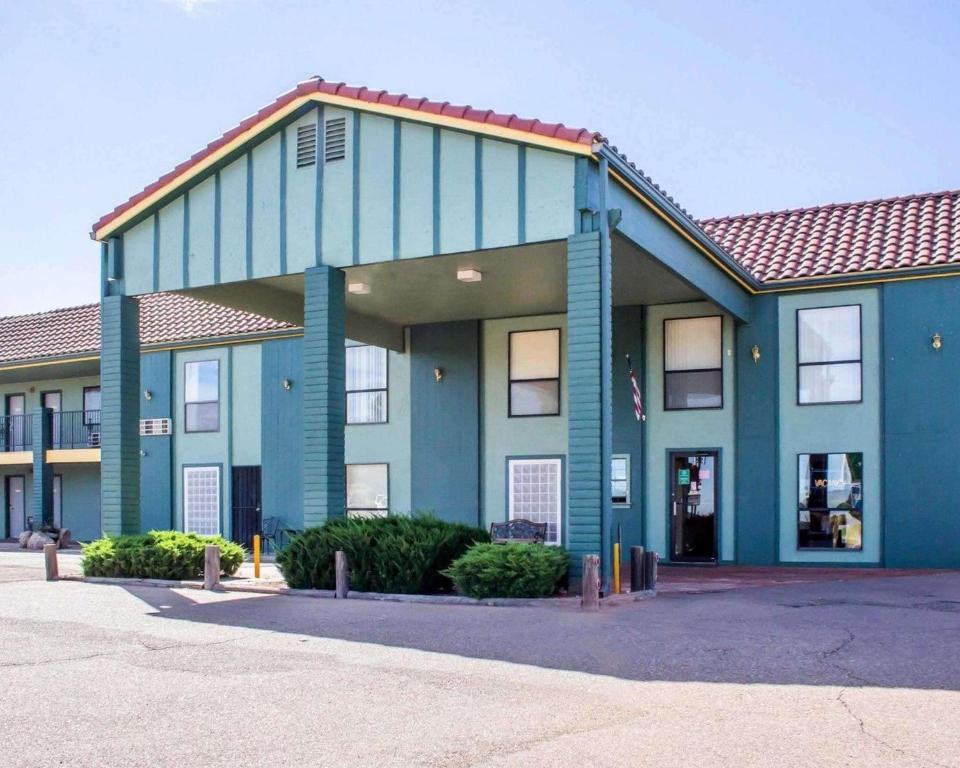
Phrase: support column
(42, 502)
(589, 362)
(324, 395)
(120, 415)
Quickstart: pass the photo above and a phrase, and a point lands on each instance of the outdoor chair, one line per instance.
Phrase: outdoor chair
(269, 530)
(519, 530)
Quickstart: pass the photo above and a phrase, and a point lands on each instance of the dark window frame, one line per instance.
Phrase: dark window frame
(92, 410)
(383, 511)
(187, 403)
(511, 380)
(43, 396)
(828, 509)
(692, 370)
(800, 365)
(385, 389)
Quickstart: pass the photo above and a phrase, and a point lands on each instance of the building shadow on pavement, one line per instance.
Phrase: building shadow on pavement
(888, 632)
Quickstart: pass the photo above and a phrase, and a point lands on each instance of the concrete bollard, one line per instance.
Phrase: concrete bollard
(50, 564)
(590, 593)
(637, 582)
(211, 566)
(342, 574)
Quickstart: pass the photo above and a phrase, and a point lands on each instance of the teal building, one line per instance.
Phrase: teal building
(357, 302)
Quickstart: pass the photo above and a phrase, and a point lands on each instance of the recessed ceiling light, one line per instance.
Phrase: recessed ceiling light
(469, 275)
(359, 288)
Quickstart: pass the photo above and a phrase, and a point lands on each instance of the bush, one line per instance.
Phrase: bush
(396, 554)
(157, 555)
(509, 570)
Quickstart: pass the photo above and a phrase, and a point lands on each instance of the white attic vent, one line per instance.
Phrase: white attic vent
(151, 427)
(306, 145)
(335, 140)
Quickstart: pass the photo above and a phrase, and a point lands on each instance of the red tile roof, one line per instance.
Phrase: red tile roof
(164, 318)
(364, 95)
(897, 233)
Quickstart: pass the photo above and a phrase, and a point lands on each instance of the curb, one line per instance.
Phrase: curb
(266, 589)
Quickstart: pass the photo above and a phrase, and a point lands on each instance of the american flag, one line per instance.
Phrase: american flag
(637, 400)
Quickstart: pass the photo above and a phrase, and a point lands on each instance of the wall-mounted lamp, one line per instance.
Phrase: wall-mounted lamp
(358, 289)
(143, 454)
(936, 341)
(469, 275)
(438, 374)
(287, 384)
(755, 354)
(147, 394)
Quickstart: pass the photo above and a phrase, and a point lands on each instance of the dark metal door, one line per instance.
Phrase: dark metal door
(693, 506)
(246, 517)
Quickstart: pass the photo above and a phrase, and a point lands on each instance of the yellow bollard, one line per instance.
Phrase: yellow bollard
(616, 568)
(256, 556)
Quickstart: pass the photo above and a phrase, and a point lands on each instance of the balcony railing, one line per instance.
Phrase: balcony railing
(16, 433)
(75, 429)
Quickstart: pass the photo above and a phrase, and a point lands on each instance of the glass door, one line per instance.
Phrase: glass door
(693, 506)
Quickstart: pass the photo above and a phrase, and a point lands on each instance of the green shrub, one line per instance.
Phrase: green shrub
(509, 570)
(157, 555)
(396, 554)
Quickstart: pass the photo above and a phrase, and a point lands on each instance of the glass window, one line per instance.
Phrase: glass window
(830, 503)
(91, 405)
(366, 385)
(202, 396)
(620, 479)
(535, 493)
(535, 373)
(828, 355)
(51, 400)
(368, 490)
(693, 363)
(201, 500)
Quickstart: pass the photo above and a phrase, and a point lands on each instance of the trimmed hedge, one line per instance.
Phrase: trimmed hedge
(396, 554)
(157, 555)
(509, 570)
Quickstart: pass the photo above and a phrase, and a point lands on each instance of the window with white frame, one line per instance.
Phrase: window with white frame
(368, 490)
(201, 396)
(534, 373)
(535, 493)
(201, 500)
(620, 479)
(693, 363)
(366, 385)
(829, 363)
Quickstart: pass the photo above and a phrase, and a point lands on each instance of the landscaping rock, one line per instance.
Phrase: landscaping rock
(38, 540)
(24, 538)
(63, 540)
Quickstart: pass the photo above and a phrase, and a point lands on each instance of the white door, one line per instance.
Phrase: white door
(57, 500)
(16, 506)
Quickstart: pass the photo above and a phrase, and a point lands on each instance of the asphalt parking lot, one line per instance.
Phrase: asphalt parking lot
(822, 674)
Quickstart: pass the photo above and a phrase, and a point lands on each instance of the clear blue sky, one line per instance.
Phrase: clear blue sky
(732, 107)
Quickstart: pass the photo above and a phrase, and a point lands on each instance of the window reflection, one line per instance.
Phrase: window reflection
(830, 503)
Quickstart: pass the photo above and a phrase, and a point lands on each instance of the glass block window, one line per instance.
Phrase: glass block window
(202, 396)
(534, 373)
(535, 493)
(693, 363)
(368, 490)
(620, 479)
(201, 500)
(366, 385)
(830, 503)
(829, 365)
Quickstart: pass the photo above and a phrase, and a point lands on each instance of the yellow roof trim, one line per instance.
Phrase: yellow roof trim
(446, 121)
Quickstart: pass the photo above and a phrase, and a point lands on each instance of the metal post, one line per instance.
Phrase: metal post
(616, 568)
(590, 597)
(50, 562)
(211, 566)
(650, 570)
(342, 574)
(637, 582)
(256, 556)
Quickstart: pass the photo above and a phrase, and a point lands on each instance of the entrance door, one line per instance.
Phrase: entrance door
(246, 515)
(16, 408)
(693, 506)
(16, 507)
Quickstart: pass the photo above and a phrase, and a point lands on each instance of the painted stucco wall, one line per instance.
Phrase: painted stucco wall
(402, 190)
(687, 430)
(833, 428)
(503, 436)
(80, 499)
(72, 390)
